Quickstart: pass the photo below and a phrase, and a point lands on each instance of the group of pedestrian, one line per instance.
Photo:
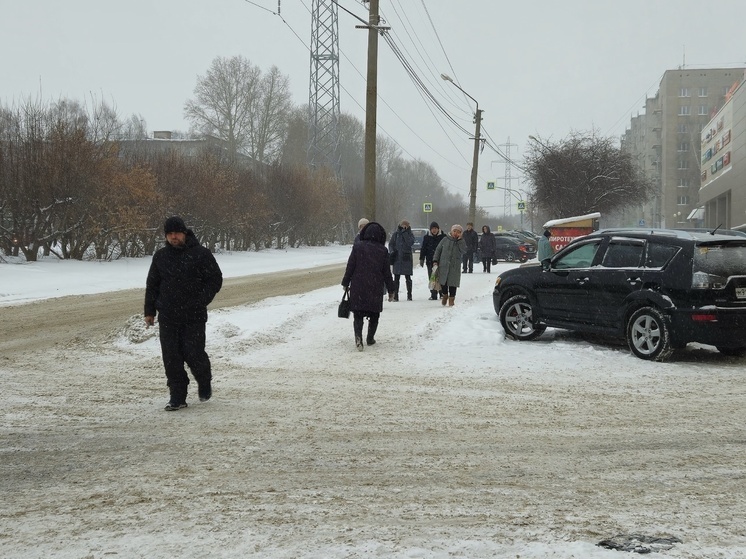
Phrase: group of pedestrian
(184, 277)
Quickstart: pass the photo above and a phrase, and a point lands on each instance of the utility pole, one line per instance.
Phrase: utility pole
(475, 166)
(371, 106)
(477, 141)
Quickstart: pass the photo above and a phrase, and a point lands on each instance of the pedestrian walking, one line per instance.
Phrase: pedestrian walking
(448, 257)
(487, 248)
(544, 250)
(367, 271)
(429, 243)
(182, 280)
(471, 238)
(400, 251)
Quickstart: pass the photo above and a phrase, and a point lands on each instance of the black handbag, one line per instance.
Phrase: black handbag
(344, 305)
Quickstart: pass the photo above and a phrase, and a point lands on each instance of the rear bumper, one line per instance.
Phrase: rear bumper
(717, 326)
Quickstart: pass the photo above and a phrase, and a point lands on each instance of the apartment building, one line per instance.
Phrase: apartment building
(722, 194)
(665, 142)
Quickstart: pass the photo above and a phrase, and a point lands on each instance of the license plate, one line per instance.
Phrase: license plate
(740, 292)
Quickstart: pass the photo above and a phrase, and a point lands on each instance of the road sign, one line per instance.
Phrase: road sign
(491, 185)
(641, 223)
(521, 205)
(427, 207)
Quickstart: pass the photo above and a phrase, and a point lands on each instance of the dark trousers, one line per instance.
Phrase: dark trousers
(486, 262)
(357, 323)
(448, 290)
(468, 261)
(407, 281)
(433, 292)
(184, 343)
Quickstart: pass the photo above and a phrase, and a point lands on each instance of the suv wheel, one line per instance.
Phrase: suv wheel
(648, 334)
(516, 317)
(510, 257)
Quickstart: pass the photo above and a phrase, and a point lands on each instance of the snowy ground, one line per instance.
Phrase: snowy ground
(443, 440)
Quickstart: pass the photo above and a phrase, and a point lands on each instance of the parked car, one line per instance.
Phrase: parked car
(658, 289)
(510, 249)
(419, 234)
(525, 236)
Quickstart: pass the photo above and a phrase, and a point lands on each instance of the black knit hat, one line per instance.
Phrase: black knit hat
(174, 225)
(434, 224)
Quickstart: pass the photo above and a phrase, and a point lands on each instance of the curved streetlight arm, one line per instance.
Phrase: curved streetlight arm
(448, 78)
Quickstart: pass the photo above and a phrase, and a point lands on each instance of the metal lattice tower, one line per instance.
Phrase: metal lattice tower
(323, 94)
(507, 200)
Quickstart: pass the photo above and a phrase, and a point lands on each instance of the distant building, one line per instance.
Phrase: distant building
(722, 194)
(665, 142)
(164, 142)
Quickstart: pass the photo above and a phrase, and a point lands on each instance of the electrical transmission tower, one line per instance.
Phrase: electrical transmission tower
(507, 200)
(323, 94)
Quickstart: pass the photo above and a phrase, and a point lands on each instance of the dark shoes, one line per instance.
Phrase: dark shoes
(409, 297)
(370, 341)
(359, 343)
(175, 406)
(205, 392)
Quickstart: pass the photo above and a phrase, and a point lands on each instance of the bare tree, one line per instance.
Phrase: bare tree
(239, 105)
(224, 98)
(582, 174)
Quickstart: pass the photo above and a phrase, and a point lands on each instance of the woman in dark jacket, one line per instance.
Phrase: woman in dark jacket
(487, 248)
(367, 272)
(400, 247)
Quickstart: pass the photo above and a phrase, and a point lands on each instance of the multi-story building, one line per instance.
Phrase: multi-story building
(722, 194)
(665, 142)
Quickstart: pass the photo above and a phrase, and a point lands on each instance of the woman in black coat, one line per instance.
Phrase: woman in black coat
(367, 272)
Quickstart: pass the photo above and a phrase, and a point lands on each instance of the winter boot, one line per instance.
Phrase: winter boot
(359, 343)
(443, 300)
(175, 406)
(372, 327)
(451, 301)
(205, 391)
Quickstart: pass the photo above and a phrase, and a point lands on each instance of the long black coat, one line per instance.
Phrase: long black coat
(368, 270)
(401, 242)
(182, 282)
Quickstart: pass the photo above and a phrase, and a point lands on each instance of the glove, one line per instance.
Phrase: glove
(391, 296)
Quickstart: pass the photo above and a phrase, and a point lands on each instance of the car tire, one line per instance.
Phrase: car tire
(516, 317)
(648, 334)
(732, 351)
(510, 257)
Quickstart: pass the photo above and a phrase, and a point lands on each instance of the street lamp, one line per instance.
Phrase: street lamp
(475, 161)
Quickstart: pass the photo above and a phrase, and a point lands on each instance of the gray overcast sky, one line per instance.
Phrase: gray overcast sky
(538, 67)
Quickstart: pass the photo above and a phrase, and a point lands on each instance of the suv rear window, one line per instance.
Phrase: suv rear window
(724, 260)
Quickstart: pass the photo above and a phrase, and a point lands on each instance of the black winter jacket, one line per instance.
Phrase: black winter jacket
(429, 243)
(182, 282)
(368, 270)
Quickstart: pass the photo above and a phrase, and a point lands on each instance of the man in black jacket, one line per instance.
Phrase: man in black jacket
(471, 238)
(429, 243)
(183, 279)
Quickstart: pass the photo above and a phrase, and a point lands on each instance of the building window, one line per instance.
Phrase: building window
(684, 92)
(685, 110)
(683, 163)
(703, 92)
(703, 110)
(682, 200)
(683, 129)
(683, 146)
(684, 182)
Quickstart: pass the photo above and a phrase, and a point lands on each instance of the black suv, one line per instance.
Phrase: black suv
(659, 289)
